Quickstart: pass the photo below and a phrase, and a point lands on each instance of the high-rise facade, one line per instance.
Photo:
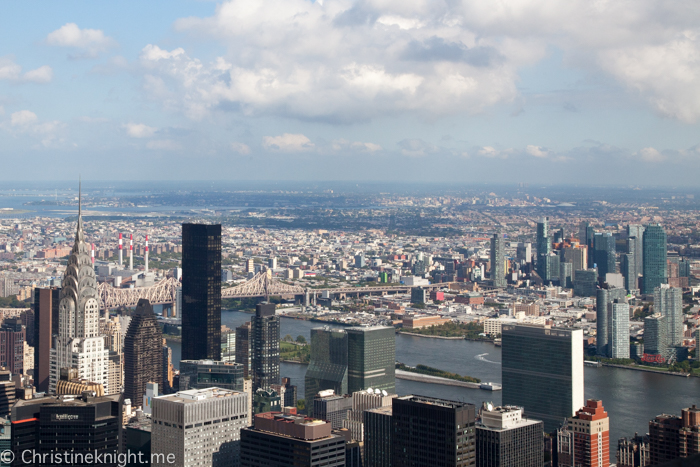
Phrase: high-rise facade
(371, 358)
(265, 346)
(585, 281)
(505, 439)
(328, 367)
(78, 343)
(201, 291)
(604, 297)
(46, 302)
(542, 371)
(203, 374)
(12, 339)
(604, 253)
(669, 302)
(431, 431)
(672, 437)
(498, 269)
(654, 257)
(620, 329)
(143, 353)
(377, 436)
(628, 269)
(243, 347)
(655, 340)
(635, 236)
(585, 439)
(633, 452)
(544, 247)
(332, 407)
(199, 427)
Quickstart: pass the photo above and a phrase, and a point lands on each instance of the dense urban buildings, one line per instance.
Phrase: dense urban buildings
(328, 368)
(668, 301)
(432, 431)
(377, 435)
(202, 374)
(265, 346)
(505, 439)
(371, 358)
(672, 437)
(201, 291)
(143, 352)
(543, 372)
(585, 439)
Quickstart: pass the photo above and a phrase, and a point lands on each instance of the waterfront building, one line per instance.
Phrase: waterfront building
(243, 347)
(265, 346)
(498, 258)
(279, 440)
(585, 281)
(199, 427)
(672, 437)
(328, 367)
(542, 371)
(371, 358)
(332, 407)
(143, 352)
(377, 436)
(77, 426)
(505, 439)
(201, 292)
(78, 343)
(654, 258)
(620, 329)
(669, 302)
(46, 301)
(604, 253)
(202, 374)
(655, 340)
(585, 439)
(431, 431)
(633, 452)
(604, 297)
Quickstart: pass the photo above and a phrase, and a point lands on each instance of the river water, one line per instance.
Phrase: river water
(631, 398)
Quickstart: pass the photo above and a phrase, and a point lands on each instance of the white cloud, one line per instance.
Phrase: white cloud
(651, 155)
(240, 148)
(416, 147)
(23, 118)
(287, 143)
(26, 122)
(11, 71)
(353, 60)
(139, 130)
(343, 144)
(89, 41)
(536, 151)
(164, 145)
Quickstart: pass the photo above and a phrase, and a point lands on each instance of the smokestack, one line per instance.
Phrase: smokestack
(121, 254)
(145, 257)
(92, 254)
(131, 252)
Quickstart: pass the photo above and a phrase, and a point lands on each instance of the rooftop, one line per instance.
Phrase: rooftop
(194, 395)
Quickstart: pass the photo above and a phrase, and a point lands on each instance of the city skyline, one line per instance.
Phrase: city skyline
(529, 92)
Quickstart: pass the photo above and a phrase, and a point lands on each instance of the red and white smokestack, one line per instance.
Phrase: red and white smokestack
(145, 258)
(92, 254)
(121, 257)
(131, 252)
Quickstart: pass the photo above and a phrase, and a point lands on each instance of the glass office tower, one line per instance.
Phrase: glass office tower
(654, 267)
(201, 291)
(371, 358)
(604, 253)
(265, 346)
(543, 372)
(328, 368)
(544, 246)
(498, 259)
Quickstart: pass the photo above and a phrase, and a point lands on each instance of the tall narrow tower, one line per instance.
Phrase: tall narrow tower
(121, 254)
(131, 252)
(145, 256)
(498, 269)
(79, 344)
(143, 353)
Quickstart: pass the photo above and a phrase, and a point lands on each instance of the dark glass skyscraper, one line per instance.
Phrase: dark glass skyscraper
(201, 291)
(498, 270)
(543, 372)
(371, 358)
(544, 247)
(604, 253)
(635, 237)
(328, 368)
(143, 353)
(654, 257)
(265, 346)
(45, 326)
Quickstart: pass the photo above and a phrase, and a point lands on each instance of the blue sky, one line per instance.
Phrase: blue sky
(538, 91)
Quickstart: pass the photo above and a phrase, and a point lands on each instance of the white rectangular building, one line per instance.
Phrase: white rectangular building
(201, 427)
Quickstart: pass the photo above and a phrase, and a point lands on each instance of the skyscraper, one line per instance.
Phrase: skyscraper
(45, 326)
(430, 431)
(585, 439)
(377, 436)
(672, 437)
(505, 439)
(543, 371)
(628, 268)
(655, 340)
(371, 358)
(12, 338)
(620, 329)
(654, 256)
(265, 346)
(328, 368)
(635, 233)
(201, 291)
(604, 253)
(143, 353)
(669, 302)
(498, 270)
(243, 347)
(544, 247)
(585, 281)
(604, 297)
(79, 344)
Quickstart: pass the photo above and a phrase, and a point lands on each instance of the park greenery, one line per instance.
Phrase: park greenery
(451, 329)
(677, 367)
(295, 351)
(12, 302)
(428, 370)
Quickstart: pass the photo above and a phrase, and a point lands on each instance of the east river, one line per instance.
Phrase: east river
(630, 397)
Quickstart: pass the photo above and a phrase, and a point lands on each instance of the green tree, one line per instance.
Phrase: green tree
(287, 338)
(301, 340)
(301, 404)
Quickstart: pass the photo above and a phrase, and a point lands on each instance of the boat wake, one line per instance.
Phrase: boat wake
(481, 357)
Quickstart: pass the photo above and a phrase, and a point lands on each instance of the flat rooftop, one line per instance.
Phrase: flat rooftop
(194, 395)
